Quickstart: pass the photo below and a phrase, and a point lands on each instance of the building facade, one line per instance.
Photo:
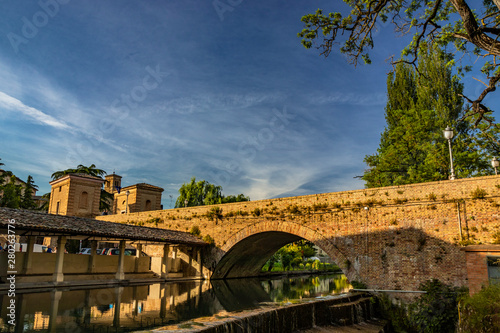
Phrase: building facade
(80, 195)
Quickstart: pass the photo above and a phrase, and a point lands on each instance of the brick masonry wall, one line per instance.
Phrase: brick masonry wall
(406, 235)
(477, 267)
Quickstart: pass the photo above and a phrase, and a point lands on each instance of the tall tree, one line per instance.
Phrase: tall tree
(200, 193)
(473, 27)
(412, 147)
(27, 201)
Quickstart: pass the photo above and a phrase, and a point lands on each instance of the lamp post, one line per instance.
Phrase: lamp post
(448, 134)
(495, 164)
(126, 202)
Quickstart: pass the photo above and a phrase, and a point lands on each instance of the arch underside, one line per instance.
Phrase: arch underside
(247, 257)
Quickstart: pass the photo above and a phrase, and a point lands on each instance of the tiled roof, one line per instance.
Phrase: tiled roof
(39, 222)
(144, 185)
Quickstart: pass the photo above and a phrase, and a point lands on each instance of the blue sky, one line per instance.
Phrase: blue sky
(161, 91)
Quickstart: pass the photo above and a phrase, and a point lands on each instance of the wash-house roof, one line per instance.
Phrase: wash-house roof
(33, 223)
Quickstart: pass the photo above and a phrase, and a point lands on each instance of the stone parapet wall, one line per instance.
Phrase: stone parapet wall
(390, 237)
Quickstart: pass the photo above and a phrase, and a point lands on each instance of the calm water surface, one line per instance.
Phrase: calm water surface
(123, 309)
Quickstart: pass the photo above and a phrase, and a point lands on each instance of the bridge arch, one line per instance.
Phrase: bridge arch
(247, 251)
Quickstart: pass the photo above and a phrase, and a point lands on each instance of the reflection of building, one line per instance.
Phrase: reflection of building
(323, 256)
(80, 195)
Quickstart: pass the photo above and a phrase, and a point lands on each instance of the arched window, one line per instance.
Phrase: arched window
(84, 200)
(148, 205)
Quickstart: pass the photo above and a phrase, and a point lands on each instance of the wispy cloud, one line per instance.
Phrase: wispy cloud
(352, 98)
(14, 104)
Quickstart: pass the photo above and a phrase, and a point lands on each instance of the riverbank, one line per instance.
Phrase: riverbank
(297, 273)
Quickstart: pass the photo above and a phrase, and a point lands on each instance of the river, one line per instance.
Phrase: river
(124, 309)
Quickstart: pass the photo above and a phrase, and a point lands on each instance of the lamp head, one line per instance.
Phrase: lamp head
(448, 133)
(495, 163)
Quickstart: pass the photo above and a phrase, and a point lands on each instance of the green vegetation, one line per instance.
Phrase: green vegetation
(214, 213)
(200, 193)
(16, 196)
(412, 147)
(435, 311)
(195, 230)
(481, 312)
(296, 256)
(478, 193)
(209, 239)
(466, 29)
(154, 220)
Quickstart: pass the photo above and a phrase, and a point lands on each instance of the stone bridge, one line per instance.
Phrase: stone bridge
(389, 238)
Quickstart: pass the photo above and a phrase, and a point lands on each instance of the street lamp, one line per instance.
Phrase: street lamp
(186, 203)
(448, 134)
(495, 164)
(126, 203)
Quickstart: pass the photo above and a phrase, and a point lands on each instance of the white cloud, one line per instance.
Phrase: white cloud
(14, 104)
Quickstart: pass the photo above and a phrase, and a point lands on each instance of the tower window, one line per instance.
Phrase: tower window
(84, 200)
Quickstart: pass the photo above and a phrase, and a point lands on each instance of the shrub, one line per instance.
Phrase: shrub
(496, 237)
(432, 196)
(480, 312)
(256, 212)
(214, 213)
(435, 311)
(195, 230)
(209, 239)
(155, 220)
(478, 193)
(358, 285)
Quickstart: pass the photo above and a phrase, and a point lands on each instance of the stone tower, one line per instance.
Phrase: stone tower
(113, 183)
(75, 195)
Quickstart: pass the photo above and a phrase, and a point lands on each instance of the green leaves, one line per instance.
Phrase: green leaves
(471, 27)
(412, 147)
(200, 193)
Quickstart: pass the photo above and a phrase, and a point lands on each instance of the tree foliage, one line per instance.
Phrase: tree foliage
(412, 147)
(200, 193)
(13, 195)
(86, 170)
(434, 311)
(480, 313)
(471, 27)
(292, 255)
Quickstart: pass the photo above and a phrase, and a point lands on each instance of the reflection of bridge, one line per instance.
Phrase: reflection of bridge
(389, 238)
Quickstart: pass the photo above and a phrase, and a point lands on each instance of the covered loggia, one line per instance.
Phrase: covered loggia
(59, 268)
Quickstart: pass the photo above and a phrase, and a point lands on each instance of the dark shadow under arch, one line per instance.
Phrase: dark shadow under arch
(247, 257)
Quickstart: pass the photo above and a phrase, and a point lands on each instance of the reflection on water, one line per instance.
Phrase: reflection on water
(122, 309)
